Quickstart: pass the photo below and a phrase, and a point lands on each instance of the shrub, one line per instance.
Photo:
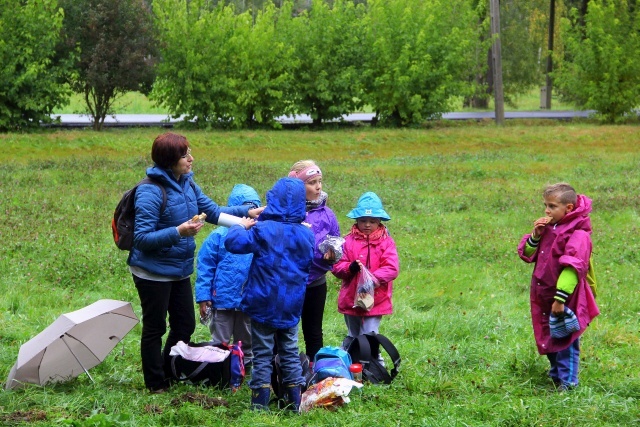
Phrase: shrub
(601, 69)
(419, 53)
(31, 75)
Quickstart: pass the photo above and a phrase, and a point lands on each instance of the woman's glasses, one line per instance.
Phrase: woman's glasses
(188, 154)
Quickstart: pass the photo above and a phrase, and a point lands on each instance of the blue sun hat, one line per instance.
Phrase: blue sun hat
(563, 326)
(369, 204)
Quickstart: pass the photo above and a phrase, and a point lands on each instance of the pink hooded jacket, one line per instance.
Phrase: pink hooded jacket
(565, 244)
(382, 257)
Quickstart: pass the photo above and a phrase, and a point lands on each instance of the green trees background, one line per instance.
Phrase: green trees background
(243, 63)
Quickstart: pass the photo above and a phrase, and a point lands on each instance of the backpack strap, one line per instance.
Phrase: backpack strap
(148, 180)
(391, 350)
(195, 372)
(360, 349)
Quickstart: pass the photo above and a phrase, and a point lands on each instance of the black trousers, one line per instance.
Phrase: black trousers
(312, 314)
(157, 299)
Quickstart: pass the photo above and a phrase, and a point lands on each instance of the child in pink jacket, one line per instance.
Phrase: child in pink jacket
(370, 245)
(560, 246)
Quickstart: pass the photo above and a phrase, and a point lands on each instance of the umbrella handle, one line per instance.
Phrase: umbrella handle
(79, 363)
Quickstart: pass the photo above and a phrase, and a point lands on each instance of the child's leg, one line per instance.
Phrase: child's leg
(289, 356)
(354, 326)
(290, 364)
(371, 324)
(311, 319)
(567, 362)
(553, 370)
(263, 340)
(242, 332)
(221, 326)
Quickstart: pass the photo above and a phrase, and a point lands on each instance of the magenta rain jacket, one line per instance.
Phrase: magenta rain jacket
(383, 262)
(565, 244)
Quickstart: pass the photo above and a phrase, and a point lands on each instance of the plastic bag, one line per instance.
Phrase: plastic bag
(329, 393)
(334, 243)
(367, 283)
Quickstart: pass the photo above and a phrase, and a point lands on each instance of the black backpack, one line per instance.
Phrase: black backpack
(276, 378)
(365, 349)
(229, 373)
(124, 215)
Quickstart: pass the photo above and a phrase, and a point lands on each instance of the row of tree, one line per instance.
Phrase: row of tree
(242, 63)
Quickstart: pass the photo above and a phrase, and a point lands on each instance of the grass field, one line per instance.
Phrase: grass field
(460, 198)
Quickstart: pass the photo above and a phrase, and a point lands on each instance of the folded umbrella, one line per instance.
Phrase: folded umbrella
(74, 343)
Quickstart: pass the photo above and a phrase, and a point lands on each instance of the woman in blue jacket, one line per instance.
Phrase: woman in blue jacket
(161, 259)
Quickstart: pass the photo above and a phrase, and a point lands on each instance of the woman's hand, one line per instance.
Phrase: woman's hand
(203, 308)
(189, 229)
(253, 213)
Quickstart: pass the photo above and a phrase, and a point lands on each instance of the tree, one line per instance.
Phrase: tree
(418, 54)
(31, 74)
(329, 46)
(601, 67)
(117, 50)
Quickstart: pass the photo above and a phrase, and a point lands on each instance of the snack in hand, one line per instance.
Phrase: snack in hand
(199, 218)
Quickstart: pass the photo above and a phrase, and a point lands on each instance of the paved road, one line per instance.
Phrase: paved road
(124, 120)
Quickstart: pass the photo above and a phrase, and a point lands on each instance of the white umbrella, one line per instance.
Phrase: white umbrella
(73, 344)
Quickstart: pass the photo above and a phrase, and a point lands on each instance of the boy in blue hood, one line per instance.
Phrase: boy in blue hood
(221, 277)
(282, 249)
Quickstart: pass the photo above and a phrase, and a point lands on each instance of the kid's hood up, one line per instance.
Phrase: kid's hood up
(580, 211)
(286, 201)
(242, 193)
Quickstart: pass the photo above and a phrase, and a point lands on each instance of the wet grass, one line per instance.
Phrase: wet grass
(460, 197)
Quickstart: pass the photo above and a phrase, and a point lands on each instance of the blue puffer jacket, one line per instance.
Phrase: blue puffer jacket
(282, 251)
(222, 275)
(157, 245)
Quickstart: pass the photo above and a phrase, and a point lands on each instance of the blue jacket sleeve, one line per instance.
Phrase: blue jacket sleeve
(146, 238)
(241, 241)
(208, 206)
(207, 264)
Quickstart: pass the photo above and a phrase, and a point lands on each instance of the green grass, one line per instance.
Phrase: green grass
(460, 198)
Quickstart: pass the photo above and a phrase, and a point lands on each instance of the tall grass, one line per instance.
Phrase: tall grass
(460, 198)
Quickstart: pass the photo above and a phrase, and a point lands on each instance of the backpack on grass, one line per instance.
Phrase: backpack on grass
(365, 349)
(330, 362)
(229, 373)
(124, 216)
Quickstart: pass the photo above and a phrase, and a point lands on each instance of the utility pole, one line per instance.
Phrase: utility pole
(552, 24)
(496, 56)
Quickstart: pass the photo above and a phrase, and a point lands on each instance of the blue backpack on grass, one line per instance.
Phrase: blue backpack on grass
(330, 362)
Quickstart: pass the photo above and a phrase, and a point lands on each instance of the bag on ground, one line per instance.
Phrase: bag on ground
(330, 362)
(365, 349)
(124, 215)
(228, 373)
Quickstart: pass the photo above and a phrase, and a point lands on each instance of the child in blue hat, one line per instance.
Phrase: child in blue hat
(367, 245)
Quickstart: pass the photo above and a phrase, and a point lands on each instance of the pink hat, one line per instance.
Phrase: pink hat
(307, 173)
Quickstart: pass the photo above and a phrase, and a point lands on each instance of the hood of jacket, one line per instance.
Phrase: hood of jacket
(286, 202)
(580, 214)
(242, 193)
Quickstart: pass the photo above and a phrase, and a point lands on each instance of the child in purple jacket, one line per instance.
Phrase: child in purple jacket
(560, 246)
(323, 222)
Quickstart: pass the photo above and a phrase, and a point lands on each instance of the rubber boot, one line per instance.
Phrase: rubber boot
(293, 393)
(260, 398)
